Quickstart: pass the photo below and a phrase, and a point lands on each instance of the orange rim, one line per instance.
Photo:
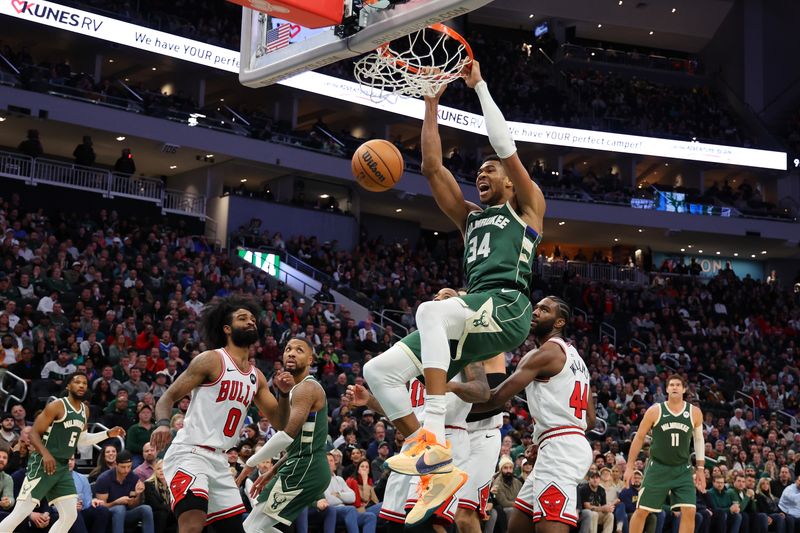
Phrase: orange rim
(385, 51)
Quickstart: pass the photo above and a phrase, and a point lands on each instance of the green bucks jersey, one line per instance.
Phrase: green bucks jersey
(672, 435)
(499, 250)
(61, 438)
(314, 433)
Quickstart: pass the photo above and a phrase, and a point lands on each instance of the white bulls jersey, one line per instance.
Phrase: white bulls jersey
(217, 411)
(558, 404)
(457, 409)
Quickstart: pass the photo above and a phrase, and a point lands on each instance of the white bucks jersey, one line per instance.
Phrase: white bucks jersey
(217, 411)
(558, 405)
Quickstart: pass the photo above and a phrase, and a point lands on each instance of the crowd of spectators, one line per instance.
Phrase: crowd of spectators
(119, 297)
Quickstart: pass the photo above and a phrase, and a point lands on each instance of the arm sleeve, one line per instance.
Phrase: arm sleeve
(8, 488)
(699, 446)
(279, 442)
(89, 439)
(496, 125)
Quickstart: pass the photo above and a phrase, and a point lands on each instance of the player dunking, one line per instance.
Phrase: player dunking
(556, 383)
(56, 434)
(305, 475)
(500, 247)
(223, 385)
(669, 473)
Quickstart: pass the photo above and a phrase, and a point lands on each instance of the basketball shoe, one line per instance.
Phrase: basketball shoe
(432, 492)
(422, 456)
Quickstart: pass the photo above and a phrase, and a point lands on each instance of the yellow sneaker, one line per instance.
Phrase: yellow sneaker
(424, 456)
(432, 492)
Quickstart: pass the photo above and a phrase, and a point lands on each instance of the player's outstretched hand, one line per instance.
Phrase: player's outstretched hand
(49, 463)
(358, 395)
(284, 381)
(627, 476)
(117, 432)
(262, 481)
(160, 437)
(472, 74)
(244, 474)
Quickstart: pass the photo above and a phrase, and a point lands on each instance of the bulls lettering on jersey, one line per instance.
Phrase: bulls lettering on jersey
(217, 411)
(559, 404)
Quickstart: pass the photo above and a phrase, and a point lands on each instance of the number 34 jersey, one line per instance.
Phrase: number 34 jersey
(558, 405)
(217, 411)
(499, 250)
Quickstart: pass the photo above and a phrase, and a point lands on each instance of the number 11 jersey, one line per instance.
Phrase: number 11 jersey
(217, 411)
(558, 404)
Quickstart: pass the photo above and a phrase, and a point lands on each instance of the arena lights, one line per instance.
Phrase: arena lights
(176, 47)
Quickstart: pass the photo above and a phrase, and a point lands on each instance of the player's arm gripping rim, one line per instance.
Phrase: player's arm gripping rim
(475, 388)
(443, 185)
(53, 411)
(543, 362)
(529, 197)
(648, 421)
(204, 368)
(307, 396)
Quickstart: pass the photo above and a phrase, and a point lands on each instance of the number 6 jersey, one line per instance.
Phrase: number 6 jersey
(217, 411)
(558, 404)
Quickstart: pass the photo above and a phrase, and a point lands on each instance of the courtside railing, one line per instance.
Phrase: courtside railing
(43, 171)
(593, 271)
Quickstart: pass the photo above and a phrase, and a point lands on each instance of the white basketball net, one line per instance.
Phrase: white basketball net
(416, 65)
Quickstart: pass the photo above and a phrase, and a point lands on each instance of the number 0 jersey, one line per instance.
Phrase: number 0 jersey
(217, 411)
(499, 250)
(558, 404)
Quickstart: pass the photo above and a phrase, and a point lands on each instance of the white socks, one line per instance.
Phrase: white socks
(435, 409)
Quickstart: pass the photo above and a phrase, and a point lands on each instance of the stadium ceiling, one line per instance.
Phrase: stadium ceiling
(688, 29)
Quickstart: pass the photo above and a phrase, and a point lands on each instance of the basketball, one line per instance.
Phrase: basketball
(377, 165)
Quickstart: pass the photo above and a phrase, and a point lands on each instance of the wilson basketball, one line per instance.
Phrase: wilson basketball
(377, 165)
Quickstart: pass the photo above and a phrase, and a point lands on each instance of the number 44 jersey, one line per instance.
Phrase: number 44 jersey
(217, 411)
(558, 405)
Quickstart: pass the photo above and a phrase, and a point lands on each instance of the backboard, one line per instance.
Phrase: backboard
(267, 58)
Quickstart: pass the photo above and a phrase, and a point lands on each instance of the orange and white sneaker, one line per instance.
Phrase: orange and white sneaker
(423, 456)
(432, 492)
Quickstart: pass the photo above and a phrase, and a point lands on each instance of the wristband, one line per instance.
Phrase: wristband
(164, 422)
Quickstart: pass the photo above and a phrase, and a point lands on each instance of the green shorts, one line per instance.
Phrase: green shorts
(39, 485)
(299, 483)
(500, 322)
(661, 481)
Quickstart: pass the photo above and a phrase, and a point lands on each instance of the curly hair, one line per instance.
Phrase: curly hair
(219, 313)
(564, 311)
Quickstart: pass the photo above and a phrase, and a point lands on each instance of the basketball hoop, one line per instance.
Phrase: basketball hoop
(416, 65)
